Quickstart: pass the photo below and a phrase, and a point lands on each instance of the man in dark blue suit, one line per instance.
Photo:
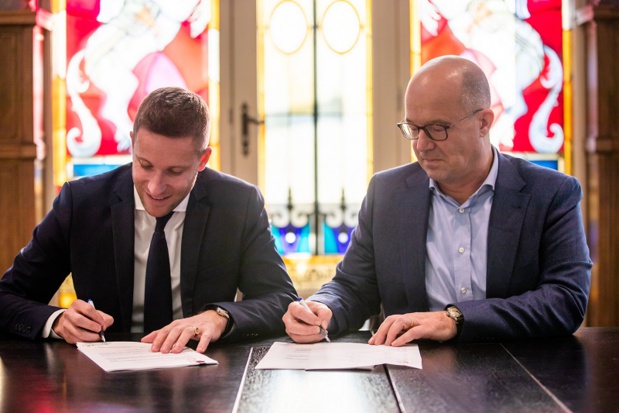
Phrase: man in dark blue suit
(466, 243)
(100, 228)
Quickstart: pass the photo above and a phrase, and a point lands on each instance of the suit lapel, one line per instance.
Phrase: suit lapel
(123, 236)
(413, 228)
(193, 235)
(506, 219)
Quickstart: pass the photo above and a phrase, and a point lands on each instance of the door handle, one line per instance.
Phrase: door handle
(245, 121)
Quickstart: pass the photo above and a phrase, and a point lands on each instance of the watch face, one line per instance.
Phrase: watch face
(222, 312)
(455, 314)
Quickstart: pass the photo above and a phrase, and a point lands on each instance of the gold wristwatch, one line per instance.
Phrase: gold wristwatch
(456, 315)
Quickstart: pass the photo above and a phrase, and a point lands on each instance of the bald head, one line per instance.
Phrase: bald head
(450, 96)
(454, 78)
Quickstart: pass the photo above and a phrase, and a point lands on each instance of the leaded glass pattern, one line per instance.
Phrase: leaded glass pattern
(316, 107)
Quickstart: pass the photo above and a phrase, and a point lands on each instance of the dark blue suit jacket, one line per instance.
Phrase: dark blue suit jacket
(538, 268)
(89, 233)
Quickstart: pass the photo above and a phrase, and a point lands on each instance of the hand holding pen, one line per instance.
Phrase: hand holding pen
(80, 322)
(92, 304)
(323, 332)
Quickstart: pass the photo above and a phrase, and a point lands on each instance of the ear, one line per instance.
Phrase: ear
(204, 158)
(487, 117)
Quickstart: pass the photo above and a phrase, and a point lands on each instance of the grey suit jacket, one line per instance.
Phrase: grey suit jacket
(538, 268)
(89, 233)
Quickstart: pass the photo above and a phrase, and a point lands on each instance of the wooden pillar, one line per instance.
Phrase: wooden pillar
(22, 147)
(601, 22)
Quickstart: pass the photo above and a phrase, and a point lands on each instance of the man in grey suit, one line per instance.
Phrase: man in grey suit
(466, 243)
(216, 232)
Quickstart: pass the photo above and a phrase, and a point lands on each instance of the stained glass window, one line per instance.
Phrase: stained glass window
(118, 51)
(315, 101)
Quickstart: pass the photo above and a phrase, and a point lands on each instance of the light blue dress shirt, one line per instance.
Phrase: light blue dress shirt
(457, 244)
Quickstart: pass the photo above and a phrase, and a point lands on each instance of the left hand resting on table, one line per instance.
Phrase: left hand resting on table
(206, 327)
(399, 329)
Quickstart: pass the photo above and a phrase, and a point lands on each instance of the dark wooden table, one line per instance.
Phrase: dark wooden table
(575, 373)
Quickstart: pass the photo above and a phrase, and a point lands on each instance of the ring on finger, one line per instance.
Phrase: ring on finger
(196, 331)
(411, 320)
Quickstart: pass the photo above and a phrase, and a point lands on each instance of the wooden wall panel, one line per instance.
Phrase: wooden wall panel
(602, 188)
(21, 197)
(8, 86)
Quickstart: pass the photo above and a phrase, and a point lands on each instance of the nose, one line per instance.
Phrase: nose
(156, 184)
(424, 143)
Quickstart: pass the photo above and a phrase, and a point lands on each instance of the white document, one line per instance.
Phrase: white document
(131, 355)
(331, 356)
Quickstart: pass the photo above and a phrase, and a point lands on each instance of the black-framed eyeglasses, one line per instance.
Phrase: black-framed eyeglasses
(434, 131)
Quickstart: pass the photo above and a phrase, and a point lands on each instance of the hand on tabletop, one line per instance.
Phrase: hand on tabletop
(205, 327)
(399, 329)
(303, 326)
(81, 323)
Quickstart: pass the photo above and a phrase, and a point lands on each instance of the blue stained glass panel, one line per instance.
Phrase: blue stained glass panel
(291, 239)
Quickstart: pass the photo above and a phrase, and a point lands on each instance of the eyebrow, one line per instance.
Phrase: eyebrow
(144, 160)
(433, 122)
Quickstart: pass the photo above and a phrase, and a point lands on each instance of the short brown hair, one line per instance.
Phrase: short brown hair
(175, 113)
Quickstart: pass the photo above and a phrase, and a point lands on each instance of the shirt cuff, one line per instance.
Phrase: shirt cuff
(48, 332)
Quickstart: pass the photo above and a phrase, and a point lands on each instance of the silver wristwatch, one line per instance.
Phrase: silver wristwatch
(220, 311)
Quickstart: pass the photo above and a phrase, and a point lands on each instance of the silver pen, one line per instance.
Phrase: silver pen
(323, 332)
(92, 304)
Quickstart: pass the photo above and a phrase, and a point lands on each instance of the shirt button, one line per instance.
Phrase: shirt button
(461, 210)
(463, 290)
(461, 250)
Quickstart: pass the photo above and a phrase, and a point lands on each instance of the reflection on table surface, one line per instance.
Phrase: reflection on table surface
(574, 373)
